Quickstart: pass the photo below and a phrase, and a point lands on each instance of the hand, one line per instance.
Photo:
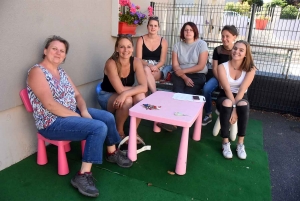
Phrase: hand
(233, 117)
(154, 69)
(189, 82)
(118, 103)
(86, 114)
(179, 72)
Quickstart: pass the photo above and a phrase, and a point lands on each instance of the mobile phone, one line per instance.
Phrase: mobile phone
(196, 98)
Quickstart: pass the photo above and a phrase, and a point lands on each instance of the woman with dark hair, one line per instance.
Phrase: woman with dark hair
(118, 92)
(235, 77)
(152, 49)
(60, 113)
(220, 55)
(189, 59)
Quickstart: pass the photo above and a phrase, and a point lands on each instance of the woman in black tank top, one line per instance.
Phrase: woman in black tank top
(152, 49)
(119, 91)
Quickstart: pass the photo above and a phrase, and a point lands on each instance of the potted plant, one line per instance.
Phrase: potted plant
(130, 17)
(261, 21)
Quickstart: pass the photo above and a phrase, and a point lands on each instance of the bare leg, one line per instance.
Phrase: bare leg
(151, 77)
(85, 167)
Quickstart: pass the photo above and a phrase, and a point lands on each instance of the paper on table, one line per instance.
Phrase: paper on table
(187, 97)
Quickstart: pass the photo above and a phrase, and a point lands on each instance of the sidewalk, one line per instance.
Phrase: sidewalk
(281, 135)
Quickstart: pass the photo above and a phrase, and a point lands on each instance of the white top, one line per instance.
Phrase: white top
(234, 84)
(188, 54)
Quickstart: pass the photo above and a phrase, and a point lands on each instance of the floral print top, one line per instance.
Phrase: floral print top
(62, 92)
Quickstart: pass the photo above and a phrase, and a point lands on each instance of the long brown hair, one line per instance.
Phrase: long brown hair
(115, 55)
(248, 62)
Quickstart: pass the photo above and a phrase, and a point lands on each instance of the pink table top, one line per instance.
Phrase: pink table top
(168, 107)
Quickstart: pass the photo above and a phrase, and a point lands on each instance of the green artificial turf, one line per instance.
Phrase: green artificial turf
(209, 176)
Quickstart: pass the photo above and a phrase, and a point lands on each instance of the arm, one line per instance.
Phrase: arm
(163, 54)
(80, 101)
(245, 84)
(215, 68)
(139, 50)
(40, 87)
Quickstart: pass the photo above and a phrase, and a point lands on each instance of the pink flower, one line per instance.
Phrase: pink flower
(150, 11)
(123, 2)
(133, 9)
(137, 7)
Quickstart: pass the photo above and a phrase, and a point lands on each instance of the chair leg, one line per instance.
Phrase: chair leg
(233, 131)
(41, 153)
(217, 127)
(82, 146)
(67, 147)
(63, 167)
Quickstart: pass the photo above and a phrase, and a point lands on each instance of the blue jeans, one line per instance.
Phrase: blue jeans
(208, 88)
(179, 85)
(96, 131)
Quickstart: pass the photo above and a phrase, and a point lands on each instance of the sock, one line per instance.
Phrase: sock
(79, 173)
(109, 154)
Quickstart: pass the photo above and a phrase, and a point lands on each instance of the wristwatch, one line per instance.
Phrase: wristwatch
(234, 105)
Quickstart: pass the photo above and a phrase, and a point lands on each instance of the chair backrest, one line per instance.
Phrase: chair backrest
(25, 99)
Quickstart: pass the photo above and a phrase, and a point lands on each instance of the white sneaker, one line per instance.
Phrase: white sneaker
(226, 150)
(241, 151)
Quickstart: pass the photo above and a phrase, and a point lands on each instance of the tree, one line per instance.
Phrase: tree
(257, 2)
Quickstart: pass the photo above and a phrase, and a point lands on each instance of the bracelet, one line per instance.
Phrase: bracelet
(234, 106)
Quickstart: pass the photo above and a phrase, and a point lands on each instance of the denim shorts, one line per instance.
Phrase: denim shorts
(163, 69)
(103, 97)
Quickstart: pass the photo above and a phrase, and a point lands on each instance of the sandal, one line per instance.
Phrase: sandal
(167, 127)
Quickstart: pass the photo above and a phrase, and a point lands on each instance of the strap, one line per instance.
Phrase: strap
(144, 148)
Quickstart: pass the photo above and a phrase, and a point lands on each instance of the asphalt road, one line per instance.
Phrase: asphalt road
(281, 135)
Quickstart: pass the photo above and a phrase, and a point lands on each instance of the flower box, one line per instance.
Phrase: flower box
(125, 28)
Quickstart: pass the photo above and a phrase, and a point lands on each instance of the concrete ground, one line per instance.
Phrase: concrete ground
(281, 135)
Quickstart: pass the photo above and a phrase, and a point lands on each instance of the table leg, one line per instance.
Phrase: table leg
(197, 128)
(156, 129)
(182, 155)
(132, 149)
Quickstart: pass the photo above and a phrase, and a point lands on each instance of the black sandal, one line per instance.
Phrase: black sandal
(167, 127)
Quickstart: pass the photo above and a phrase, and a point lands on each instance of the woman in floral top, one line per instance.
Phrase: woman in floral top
(60, 113)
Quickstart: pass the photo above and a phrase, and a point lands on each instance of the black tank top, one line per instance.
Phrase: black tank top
(151, 55)
(127, 81)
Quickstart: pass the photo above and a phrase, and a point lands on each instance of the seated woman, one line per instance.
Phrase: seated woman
(220, 55)
(189, 59)
(118, 92)
(152, 48)
(235, 76)
(60, 113)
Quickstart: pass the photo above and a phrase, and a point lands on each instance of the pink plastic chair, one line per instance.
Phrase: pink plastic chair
(63, 146)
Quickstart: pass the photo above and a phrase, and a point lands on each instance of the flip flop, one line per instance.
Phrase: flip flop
(167, 127)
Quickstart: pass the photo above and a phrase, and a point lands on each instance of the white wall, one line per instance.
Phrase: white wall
(24, 26)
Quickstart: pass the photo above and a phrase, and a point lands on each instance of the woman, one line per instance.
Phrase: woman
(189, 59)
(118, 92)
(60, 113)
(220, 55)
(235, 76)
(152, 49)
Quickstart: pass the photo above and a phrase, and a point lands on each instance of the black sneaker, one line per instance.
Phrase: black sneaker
(120, 157)
(206, 120)
(85, 184)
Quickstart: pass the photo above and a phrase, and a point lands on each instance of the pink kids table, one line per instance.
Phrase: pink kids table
(192, 112)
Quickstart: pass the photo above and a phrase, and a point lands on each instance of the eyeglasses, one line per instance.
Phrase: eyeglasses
(124, 35)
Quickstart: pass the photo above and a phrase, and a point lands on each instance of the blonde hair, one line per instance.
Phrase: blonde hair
(115, 55)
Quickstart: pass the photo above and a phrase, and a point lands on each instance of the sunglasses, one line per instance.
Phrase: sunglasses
(124, 35)
(242, 41)
(153, 18)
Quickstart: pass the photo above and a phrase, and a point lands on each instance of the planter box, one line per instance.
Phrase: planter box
(125, 28)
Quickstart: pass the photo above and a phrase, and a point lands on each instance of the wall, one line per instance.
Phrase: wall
(24, 26)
